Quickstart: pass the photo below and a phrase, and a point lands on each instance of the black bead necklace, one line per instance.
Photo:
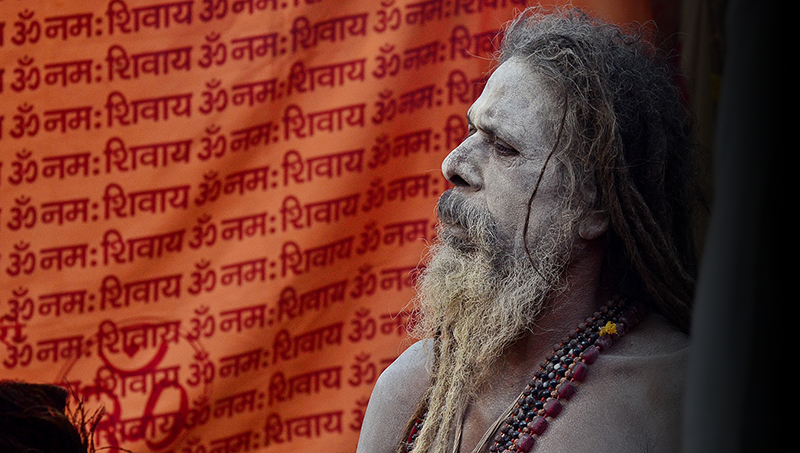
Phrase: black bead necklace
(557, 378)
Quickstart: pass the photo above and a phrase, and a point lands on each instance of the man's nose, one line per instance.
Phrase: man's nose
(460, 169)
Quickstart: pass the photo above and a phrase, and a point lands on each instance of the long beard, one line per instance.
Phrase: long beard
(476, 297)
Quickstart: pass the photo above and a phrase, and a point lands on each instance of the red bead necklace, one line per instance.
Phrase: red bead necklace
(557, 378)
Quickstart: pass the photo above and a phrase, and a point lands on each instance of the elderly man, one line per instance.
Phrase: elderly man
(555, 305)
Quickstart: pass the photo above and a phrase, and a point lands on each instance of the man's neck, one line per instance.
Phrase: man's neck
(518, 363)
(563, 313)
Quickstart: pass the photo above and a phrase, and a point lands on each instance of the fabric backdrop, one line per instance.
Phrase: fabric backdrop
(212, 212)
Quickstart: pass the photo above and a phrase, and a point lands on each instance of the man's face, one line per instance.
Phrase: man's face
(512, 130)
(488, 279)
(490, 274)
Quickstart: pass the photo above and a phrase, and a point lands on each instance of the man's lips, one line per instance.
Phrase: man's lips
(454, 228)
(452, 231)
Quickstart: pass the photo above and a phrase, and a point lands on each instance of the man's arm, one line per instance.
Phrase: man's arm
(394, 399)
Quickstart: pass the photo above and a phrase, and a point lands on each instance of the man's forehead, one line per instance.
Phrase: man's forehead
(515, 98)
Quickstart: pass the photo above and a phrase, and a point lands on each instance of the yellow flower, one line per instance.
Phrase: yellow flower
(609, 329)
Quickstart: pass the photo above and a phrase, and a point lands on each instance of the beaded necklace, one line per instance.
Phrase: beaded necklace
(557, 378)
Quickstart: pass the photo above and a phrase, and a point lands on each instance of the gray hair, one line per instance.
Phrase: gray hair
(626, 135)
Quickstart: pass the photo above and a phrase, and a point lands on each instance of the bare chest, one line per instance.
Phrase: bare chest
(482, 420)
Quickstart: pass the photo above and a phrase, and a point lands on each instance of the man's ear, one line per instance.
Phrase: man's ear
(594, 224)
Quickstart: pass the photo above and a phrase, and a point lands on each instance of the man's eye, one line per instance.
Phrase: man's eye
(504, 149)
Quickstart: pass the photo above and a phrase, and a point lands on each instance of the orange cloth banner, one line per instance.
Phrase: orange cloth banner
(212, 212)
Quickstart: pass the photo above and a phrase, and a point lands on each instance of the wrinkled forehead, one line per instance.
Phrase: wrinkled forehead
(519, 101)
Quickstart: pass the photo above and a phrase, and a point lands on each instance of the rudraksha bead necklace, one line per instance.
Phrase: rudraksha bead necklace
(557, 378)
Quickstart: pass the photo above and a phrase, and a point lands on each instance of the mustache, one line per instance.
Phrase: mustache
(453, 209)
(477, 225)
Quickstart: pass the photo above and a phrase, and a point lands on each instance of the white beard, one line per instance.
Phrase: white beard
(476, 297)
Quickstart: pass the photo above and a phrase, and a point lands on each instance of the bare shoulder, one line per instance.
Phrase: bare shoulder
(632, 398)
(394, 399)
